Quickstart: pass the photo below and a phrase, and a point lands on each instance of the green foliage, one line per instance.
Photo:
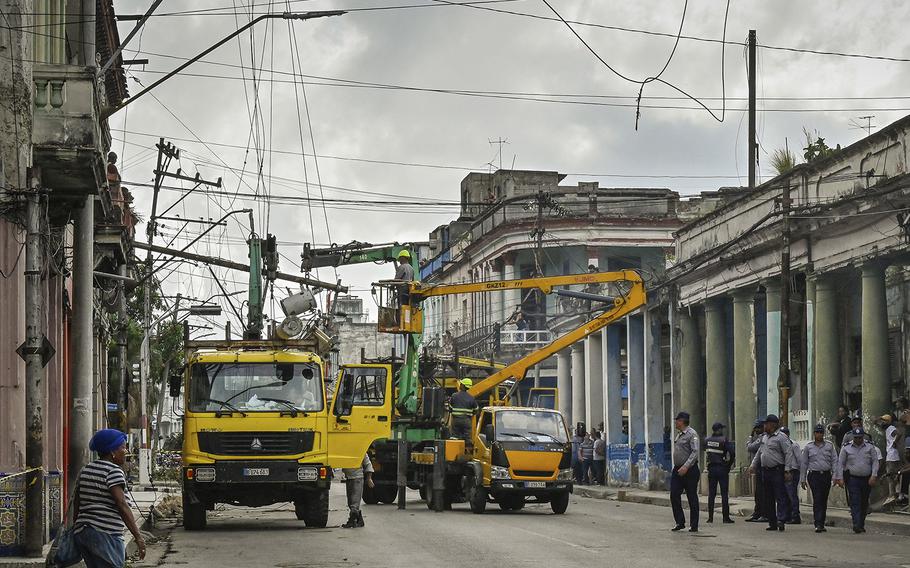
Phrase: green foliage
(816, 148)
(783, 160)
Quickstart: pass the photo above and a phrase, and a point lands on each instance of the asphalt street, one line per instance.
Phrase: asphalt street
(592, 532)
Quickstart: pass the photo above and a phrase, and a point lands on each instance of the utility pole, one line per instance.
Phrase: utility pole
(166, 153)
(34, 351)
(783, 377)
(753, 145)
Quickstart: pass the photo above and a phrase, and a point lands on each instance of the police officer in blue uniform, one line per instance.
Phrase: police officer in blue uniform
(776, 460)
(720, 455)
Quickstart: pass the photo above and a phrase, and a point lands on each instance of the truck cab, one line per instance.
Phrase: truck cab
(259, 428)
(520, 454)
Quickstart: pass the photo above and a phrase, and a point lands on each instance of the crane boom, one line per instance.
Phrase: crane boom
(623, 305)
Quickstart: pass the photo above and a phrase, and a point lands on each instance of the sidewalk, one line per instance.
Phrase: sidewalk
(143, 501)
(888, 523)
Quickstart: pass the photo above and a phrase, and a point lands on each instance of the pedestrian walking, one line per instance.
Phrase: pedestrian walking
(752, 445)
(684, 478)
(586, 455)
(101, 511)
(892, 455)
(719, 457)
(904, 418)
(857, 464)
(792, 483)
(354, 479)
(816, 469)
(776, 460)
(600, 459)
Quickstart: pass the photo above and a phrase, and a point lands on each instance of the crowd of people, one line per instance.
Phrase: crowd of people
(851, 461)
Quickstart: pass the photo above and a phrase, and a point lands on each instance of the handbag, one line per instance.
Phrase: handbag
(64, 551)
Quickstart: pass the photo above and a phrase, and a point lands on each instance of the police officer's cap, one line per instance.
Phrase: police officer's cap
(717, 426)
(758, 423)
(819, 428)
(773, 419)
(857, 432)
(785, 430)
(682, 416)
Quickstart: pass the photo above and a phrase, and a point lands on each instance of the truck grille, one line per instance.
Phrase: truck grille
(255, 443)
(532, 473)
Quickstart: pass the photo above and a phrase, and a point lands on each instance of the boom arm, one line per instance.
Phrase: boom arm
(353, 253)
(623, 305)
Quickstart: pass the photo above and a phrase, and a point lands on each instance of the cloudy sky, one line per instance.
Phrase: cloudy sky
(340, 70)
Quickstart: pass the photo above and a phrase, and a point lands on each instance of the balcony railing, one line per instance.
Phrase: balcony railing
(525, 337)
(69, 135)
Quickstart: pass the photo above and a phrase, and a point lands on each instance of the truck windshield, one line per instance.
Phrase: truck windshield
(256, 387)
(534, 426)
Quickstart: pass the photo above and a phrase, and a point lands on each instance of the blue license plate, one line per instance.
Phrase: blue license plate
(536, 448)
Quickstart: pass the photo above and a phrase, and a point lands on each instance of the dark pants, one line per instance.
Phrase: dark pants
(759, 494)
(719, 475)
(461, 427)
(588, 475)
(689, 484)
(775, 495)
(859, 499)
(820, 485)
(793, 496)
(100, 549)
(600, 470)
(576, 469)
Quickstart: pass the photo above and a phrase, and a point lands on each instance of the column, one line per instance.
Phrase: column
(654, 399)
(692, 382)
(594, 381)
(578, 383)
(612, 369)
(497, 300)
(80, 392)
(829, 386)
(745, 407)
(635, 379)
(810, 350)
(876, 372)
(772, 317)
(717, 397)
(564, 382)
(511, 298)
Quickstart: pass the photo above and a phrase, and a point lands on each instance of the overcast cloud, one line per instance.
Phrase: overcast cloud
(453, 47)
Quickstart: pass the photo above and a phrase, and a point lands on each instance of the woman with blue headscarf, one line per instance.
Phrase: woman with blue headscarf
(101, 511)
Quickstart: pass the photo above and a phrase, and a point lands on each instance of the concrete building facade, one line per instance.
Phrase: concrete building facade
(848, 302)
(53, 144)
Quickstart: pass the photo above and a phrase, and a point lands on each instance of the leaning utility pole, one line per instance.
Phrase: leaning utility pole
(166, 153)
(34, 351)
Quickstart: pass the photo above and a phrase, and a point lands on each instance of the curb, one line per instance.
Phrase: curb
(877, 522)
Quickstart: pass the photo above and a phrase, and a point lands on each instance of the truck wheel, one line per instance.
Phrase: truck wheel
(478, 499)
(315, 509)
(193, 515)
(560, 502)
(369, 495)
(386, 493)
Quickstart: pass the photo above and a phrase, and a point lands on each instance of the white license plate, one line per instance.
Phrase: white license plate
(255, 471)
(536, 484)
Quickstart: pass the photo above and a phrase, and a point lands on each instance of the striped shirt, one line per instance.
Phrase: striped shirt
(97, 507)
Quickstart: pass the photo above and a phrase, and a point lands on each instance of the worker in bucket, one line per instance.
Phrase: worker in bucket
(462, 405)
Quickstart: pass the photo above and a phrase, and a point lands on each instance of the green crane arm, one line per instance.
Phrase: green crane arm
(361, 253)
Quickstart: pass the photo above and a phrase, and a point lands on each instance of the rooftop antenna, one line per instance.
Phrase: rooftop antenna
(856, 125)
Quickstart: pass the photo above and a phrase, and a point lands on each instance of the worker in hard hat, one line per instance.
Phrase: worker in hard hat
(404, 273)
(462, 405)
